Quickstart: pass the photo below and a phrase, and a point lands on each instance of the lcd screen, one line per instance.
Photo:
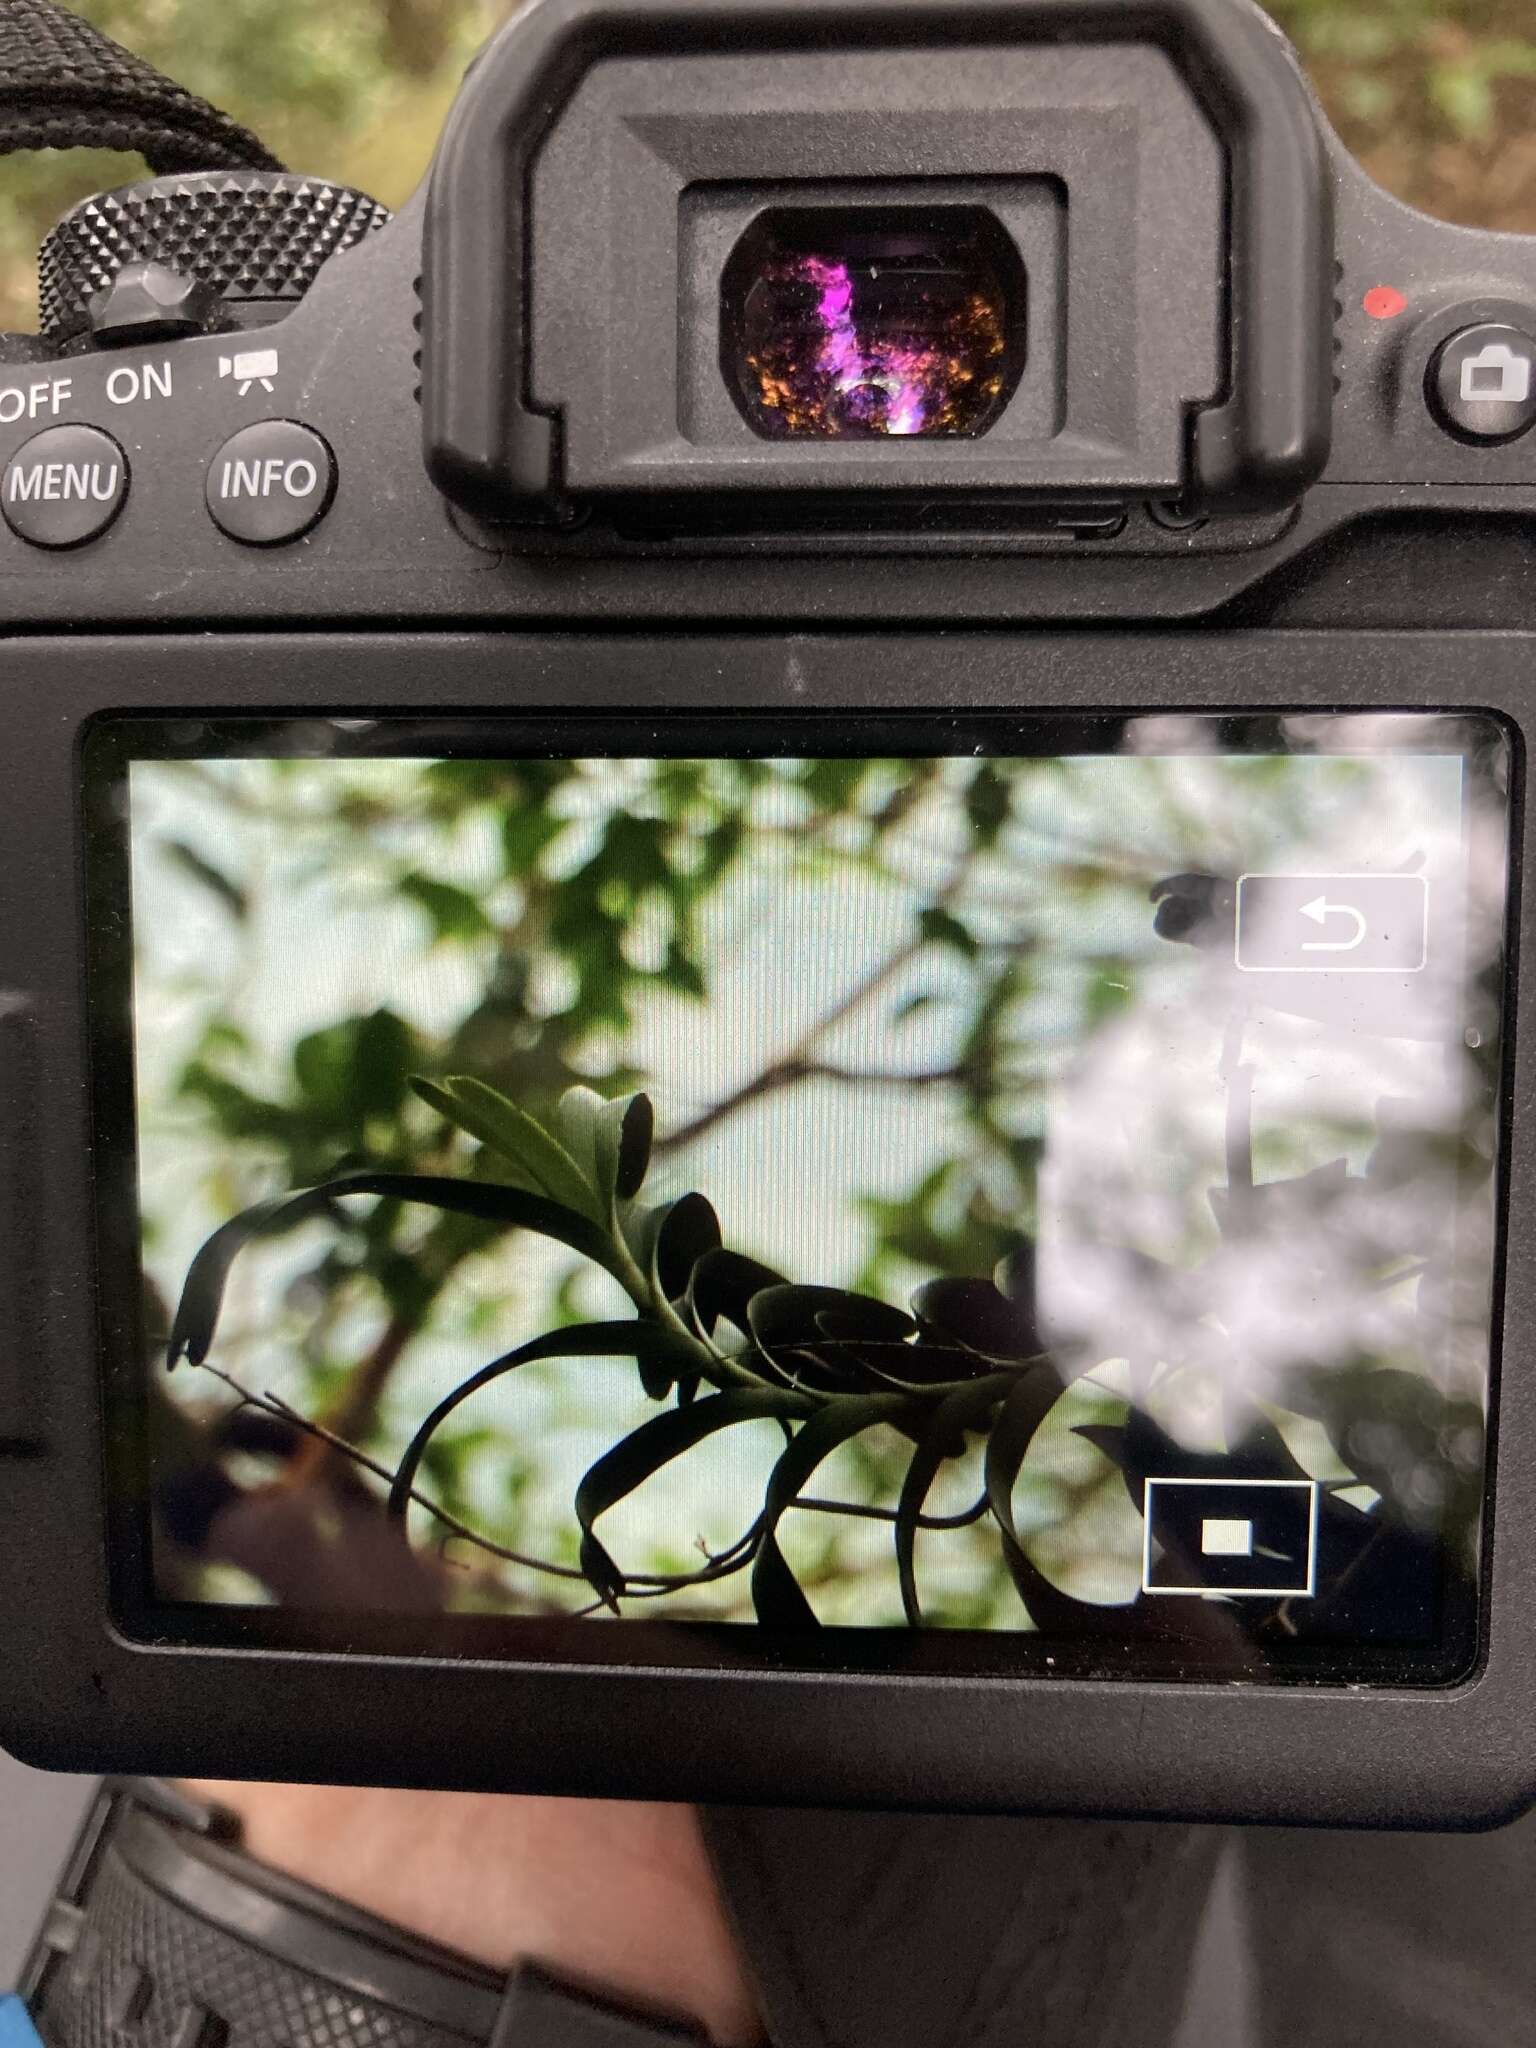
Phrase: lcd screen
(1018, 1196)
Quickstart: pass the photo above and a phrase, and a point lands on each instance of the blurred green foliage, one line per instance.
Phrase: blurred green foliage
(1438, 97)
(355, 90)
(1394, 59)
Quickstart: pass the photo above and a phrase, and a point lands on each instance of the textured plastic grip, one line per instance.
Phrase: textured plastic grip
(20, 1417)
(145, 1966)
(1257, 450)
(165, 1938)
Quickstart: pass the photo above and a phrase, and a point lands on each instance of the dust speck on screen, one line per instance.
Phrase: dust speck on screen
(1027, 1201)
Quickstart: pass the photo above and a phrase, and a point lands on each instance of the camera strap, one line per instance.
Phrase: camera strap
(870, 1930)
(65, 85)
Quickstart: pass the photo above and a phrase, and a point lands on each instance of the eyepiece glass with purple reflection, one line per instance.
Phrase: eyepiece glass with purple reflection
(859, 323)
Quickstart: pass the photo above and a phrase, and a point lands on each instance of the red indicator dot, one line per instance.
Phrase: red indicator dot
(1385, 302)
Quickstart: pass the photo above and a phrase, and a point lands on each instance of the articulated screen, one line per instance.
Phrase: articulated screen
(1021, 1197)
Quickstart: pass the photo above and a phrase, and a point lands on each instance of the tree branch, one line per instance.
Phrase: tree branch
(641, 1585)
(797, 1064)
(282, 1411)
(788, 1073)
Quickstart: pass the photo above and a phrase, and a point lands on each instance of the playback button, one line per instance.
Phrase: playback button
(64, 487)
(271, 483)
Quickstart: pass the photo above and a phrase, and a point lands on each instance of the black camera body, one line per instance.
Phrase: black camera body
(1209, 451)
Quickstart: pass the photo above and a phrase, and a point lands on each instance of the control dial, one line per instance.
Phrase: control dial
(182, 255)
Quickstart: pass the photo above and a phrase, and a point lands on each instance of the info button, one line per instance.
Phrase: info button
(271, 483)
(1332, 924)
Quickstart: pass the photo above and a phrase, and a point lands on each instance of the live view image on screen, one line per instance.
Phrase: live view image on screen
(1048, 1195)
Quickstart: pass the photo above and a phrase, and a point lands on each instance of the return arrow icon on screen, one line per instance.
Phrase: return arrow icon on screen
(1320, 910)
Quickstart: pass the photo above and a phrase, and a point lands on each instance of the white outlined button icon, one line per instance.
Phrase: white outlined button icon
(1496, 375)
(1481, 384)
(1332, 924)
(1251, 1539)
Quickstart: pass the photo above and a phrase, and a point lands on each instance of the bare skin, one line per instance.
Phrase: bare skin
(615, 1895)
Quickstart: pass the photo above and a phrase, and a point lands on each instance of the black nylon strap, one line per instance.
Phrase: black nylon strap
(929, 1931)
(65, 85)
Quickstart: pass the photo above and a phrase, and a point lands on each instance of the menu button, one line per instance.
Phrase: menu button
(64, 487)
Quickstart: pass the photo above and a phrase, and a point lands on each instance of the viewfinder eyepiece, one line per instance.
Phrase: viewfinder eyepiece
(852, 324)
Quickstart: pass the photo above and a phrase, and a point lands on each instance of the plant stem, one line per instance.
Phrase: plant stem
(274, 1405)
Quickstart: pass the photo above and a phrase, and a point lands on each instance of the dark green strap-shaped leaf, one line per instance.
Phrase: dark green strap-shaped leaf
(654, 1444)
(688, 1231)
(610, 1141)
(678, 1237)
(657, 1378)
(493, 1165)
(1108, 1438)
(202, 1297)
(776, 1593)
(942, 1439)
(637, 1134)
(512, 1134)
(1025, 1409)
(643, 1341)
(723, 1284)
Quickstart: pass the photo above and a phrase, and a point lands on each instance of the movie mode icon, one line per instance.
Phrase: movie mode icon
(250, 367)
(1332, 924)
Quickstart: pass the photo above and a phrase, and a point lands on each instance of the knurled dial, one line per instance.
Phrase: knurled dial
(239, 242)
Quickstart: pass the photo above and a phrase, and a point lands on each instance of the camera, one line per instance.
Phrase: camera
(761, 911)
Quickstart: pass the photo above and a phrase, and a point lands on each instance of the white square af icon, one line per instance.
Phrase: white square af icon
(1248, 1539)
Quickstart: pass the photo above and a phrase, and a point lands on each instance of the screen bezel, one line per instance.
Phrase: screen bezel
(77, 1694)
(531, 1643)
